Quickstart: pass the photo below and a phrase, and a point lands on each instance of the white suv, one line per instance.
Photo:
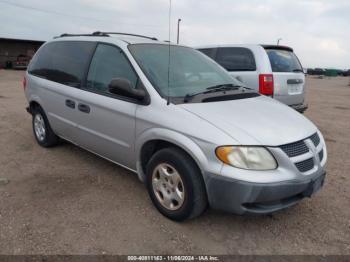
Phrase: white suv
(272, 70)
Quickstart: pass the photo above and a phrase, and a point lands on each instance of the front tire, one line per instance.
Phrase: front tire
(42, 129)
(175, 184)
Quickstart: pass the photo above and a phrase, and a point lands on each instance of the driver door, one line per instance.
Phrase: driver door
(106, 122)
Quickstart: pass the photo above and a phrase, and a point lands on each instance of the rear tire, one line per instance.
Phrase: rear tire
(43, 133)
(175, 184)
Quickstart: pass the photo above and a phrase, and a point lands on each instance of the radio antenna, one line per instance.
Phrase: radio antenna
(168, 98)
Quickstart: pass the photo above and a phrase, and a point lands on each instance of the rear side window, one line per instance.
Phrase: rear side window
(236, 59)
(63, 62)
(108, 62)
(208, 51)
(283, 61)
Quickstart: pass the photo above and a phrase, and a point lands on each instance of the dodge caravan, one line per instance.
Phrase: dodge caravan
(191, 133)
(272, 70)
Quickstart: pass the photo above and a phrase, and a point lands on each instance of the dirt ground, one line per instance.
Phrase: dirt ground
(65, 200)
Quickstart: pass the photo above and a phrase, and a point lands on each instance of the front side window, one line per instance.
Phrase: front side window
(236, 59)
(188, 70)
(283, 61)
(108, 62)
(63, 62)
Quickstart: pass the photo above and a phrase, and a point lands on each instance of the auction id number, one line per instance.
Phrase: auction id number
(172, 258)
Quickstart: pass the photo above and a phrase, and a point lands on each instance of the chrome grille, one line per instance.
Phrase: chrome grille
(320, 155)
(295, 149)
(315, 139)
(305, 165)
(300, 149)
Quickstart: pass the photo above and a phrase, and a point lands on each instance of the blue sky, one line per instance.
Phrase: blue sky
(318, 30)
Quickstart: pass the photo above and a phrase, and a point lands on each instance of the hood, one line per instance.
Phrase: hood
(255, 121)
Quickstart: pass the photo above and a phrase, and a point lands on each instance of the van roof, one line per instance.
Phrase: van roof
(279, 47)
(109, 37)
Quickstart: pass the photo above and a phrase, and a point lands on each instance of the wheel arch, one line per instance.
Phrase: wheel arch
(35, 101)
(155, 139)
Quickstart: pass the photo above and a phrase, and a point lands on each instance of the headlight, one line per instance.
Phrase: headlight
(245, 157)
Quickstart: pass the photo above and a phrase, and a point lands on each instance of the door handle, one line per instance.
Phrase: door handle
(70, 103)
(295, 81)
(84, 108)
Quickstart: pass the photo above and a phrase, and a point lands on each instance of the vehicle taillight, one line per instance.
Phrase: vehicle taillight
(24, 82)
(266, 84)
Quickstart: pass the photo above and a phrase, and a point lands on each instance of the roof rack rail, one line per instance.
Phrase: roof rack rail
(68, 35)
(98, 33)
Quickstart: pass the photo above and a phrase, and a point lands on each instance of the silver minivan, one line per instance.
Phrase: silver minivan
(191, 132)
(272, 70)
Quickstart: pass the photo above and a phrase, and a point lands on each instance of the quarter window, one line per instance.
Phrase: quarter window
(208, 51)
(236, 59)
(63, 62)
(108, 62)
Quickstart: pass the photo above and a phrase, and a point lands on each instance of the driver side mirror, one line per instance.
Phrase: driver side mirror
(123, 87)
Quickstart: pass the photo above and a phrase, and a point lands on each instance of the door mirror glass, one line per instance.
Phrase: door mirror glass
(123, 87)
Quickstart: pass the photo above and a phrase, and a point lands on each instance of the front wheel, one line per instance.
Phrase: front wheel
(42, 129)
(175, 184)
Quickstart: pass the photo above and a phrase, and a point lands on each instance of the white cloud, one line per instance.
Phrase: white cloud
(316, 29)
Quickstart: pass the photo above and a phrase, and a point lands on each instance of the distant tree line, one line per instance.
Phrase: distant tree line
(328, 72)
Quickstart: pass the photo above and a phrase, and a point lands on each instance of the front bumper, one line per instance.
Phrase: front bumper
(242, 197)
(300, 107)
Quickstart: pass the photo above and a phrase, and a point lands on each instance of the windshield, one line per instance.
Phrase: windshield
(190, 70)
(283, 61)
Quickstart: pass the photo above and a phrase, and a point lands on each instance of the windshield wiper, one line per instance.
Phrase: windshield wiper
(221, 87)
(212, 89)
(248, 88)
(226, 87)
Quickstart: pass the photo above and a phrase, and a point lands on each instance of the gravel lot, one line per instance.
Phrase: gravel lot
(65, 200)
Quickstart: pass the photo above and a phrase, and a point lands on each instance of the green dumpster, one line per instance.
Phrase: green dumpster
(331, 72)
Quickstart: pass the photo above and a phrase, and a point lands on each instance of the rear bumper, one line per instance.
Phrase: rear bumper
(241, 197)
(300, 107)
(20, 67)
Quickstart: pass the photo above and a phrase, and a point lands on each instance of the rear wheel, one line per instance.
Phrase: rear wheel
(175, 184)
(42, 129)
